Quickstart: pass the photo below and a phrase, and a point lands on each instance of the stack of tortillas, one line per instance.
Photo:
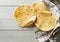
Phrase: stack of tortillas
(46, 20)
(39, 14)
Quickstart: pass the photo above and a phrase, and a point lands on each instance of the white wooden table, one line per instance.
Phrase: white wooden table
(9, 30)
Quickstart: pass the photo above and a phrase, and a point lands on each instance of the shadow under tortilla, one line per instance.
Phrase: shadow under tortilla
(31, 26)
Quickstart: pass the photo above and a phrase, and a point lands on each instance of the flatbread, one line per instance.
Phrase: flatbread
(40, 6)
(46, 20)
(24, 15)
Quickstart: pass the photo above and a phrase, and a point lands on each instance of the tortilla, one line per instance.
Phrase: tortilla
(46, 20)
(24, 15)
